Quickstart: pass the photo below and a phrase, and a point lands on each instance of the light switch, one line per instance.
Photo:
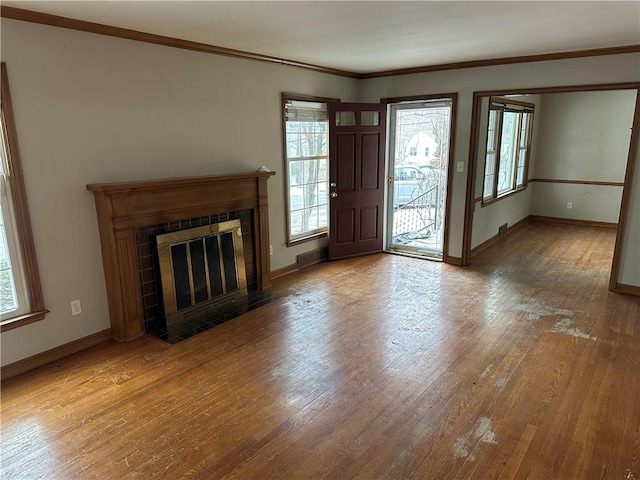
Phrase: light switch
(460, 167)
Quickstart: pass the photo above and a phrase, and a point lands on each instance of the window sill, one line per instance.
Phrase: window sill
(23, 320)
(489, 201)
(313, 236)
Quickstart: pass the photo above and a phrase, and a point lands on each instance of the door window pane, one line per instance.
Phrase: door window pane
(370, 119)
(345, 119)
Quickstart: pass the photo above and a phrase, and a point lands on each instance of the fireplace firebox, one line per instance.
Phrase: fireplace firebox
(201, 266)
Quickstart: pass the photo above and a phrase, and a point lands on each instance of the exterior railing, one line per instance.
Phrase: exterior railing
(416, 219)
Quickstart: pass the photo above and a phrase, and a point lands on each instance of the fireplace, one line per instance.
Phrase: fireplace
(132, 215)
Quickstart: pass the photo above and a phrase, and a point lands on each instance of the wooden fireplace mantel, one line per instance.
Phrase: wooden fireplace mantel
(123, 207)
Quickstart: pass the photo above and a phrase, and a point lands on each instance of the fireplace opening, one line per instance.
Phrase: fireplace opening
(201, 267)
(197, 273)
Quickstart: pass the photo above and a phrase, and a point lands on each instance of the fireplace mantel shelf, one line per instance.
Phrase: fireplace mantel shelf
(181, 182)
(123, 207)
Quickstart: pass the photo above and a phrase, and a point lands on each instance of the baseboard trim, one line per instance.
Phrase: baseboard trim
(31, 363)
(451, 260)
(572, 221)
(627, 289)
(486, 244)
(497, 237)
(281, 272)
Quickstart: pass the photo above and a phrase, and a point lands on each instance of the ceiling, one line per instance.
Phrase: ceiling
(366, 36)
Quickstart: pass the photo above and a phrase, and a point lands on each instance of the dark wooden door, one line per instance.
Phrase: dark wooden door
(356, 178)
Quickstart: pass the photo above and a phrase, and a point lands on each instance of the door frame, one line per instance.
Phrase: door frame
(470, 200)
(453, 97)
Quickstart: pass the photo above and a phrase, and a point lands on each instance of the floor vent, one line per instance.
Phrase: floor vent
(311, 258)
(502, 230)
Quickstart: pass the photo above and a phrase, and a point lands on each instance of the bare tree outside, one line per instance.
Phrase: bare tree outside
(307, 156)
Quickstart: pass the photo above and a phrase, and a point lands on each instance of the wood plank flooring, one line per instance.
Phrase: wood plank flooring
(522, 366)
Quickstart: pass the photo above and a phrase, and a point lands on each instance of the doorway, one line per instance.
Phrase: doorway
(419, 151)
(546, 179)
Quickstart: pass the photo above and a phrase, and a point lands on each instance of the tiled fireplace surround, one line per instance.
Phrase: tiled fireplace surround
(130, 214)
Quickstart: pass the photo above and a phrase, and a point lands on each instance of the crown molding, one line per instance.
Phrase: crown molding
(594, 52)
(101, 29)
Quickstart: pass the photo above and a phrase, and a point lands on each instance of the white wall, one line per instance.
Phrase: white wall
(630, 265)
(91, 108)
(583, 136)
(578, 71)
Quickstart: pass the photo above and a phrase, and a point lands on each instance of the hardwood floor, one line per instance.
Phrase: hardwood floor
(523, 365)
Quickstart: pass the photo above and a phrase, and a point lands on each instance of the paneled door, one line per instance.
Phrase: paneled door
(356, 178)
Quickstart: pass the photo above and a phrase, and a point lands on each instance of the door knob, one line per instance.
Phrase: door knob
(333, 194)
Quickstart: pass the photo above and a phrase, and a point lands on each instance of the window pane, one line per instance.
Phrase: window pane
(308, 200)
(491, 130)
(345, 119)
(489, 168)
(369, 119)
(525, 129)
(520, 177)
(295, 172)
(323, 193)
(323, 169)
(306, 139)
(522, 157)
(488, 186)
(296, 223)
(489, 172)
(8, 296)
(507, 151)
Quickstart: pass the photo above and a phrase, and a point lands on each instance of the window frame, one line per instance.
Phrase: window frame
(28, 267)
(322, 232)
(500, 106)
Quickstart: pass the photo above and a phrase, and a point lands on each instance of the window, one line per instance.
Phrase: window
(307, 165)
(508, 145)
(413, 151)
(12, 289)
(426, 151)
(20, 292)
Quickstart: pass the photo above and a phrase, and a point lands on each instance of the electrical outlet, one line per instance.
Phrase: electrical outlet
(569, 205)
(76, 307)
(270, 249)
